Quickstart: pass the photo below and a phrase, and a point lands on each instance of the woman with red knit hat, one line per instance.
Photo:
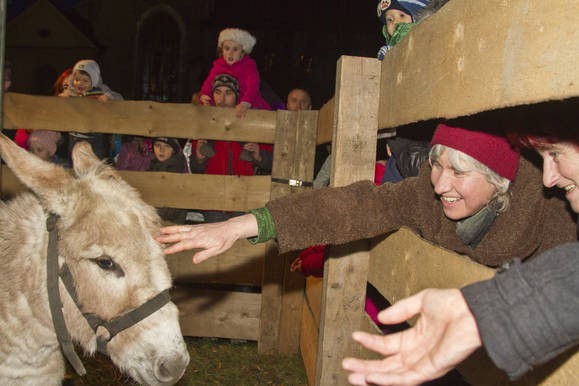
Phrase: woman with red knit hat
(476, 196)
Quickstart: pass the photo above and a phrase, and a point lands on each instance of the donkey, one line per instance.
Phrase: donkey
(104, 237)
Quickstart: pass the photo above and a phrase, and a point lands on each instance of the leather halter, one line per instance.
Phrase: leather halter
(113, 326)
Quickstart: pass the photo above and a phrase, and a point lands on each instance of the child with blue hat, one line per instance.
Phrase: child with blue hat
(398, 17)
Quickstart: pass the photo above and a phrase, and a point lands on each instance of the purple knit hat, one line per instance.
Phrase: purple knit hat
(47, 139)
(494, 151)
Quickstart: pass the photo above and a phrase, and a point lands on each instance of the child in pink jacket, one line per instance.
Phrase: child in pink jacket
(233, 47)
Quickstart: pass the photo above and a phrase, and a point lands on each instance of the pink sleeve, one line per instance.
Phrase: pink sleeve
(216, 69)
(249, 81)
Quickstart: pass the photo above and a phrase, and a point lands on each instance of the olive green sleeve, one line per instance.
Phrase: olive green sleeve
(265, 226)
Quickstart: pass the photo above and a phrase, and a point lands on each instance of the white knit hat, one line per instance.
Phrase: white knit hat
(91, 68)
(240, 36)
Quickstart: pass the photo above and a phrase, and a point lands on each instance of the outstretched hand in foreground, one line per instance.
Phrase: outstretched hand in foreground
(444, 335)
(213, 238)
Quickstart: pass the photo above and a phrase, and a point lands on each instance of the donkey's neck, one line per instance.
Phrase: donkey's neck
(29, 349)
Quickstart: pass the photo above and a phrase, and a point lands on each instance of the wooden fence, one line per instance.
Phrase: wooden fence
(208, 305)
(469, 59)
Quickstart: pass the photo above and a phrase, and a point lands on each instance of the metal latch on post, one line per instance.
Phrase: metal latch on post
(293, 182)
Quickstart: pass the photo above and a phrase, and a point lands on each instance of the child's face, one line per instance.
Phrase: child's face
(394, 17)
(81, 83)
(231, 51)
(39, 151)
(162, 151)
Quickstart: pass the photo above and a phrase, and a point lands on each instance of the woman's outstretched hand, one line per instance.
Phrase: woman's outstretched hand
(212, 238)
(445, 334)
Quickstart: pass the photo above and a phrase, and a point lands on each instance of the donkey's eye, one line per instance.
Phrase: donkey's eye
(106, 263)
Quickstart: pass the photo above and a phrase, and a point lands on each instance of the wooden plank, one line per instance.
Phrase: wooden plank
(354, 153)
(151, 119)
(308, 343)
(313, 296)
(241, 264)
(475, 56)
(282, 290)
(326, 122)
(200, 191)
(222, 314)
(404, 264)
(181, 190)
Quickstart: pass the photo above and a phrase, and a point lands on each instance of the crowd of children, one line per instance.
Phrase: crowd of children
(233, 81)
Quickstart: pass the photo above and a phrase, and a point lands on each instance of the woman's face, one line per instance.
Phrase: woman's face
(461, 194)
(561, 169)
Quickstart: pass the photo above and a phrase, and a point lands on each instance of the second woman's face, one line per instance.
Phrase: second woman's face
(461, 194)
(561, 169)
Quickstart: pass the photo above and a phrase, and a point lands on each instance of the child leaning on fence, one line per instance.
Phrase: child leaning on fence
(233, 48)
(86, 81)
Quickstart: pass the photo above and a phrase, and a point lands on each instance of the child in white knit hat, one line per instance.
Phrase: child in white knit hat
(233, 48)
(86, 80)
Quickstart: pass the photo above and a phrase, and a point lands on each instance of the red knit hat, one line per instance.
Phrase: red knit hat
(492, 150)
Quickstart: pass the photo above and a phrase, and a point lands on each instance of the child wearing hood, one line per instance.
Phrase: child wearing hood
(168, 158)
(86, 81)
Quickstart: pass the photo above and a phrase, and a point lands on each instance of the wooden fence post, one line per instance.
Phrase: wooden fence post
(282, 290)
(353, 158)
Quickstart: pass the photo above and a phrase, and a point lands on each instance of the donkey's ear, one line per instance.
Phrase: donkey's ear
(83, 158)
(52, 183)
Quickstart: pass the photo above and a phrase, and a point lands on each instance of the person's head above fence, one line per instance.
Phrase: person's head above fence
(393, 12)
(86, 75)
(298, 99)
(471, 170)
(225, 90)
(165, 148)
(43, 143)
(233, 44)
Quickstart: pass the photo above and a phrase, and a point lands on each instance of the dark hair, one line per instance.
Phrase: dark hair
(544, 139)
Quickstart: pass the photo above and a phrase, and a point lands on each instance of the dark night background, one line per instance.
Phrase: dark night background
(162, 50)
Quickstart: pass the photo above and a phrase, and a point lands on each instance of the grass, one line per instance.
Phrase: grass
(213, 362)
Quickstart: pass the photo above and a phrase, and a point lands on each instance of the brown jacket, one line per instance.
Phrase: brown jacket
(532, 223)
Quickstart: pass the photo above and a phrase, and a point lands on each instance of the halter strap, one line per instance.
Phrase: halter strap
(54, 298)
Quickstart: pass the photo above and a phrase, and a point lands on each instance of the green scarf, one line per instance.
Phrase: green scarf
(400, 32)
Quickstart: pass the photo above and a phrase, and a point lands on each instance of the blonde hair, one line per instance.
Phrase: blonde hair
(464, 163)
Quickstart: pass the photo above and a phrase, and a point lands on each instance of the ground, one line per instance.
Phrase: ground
(213, 362)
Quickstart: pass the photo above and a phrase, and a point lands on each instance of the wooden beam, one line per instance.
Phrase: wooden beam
(150, 119)
(345, 273)
(181, 190)
(282, 291)
(475, 56)
(326, 122)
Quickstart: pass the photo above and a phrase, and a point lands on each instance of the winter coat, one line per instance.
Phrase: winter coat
(527, 314)
(531, 224)
(226, 160)
(245, 71)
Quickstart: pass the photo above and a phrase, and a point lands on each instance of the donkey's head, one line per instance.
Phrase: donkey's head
(106, 238)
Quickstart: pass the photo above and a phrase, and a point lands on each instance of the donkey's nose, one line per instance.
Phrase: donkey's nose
(171, 368)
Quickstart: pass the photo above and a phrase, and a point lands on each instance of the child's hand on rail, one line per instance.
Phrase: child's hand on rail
(213, 238)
